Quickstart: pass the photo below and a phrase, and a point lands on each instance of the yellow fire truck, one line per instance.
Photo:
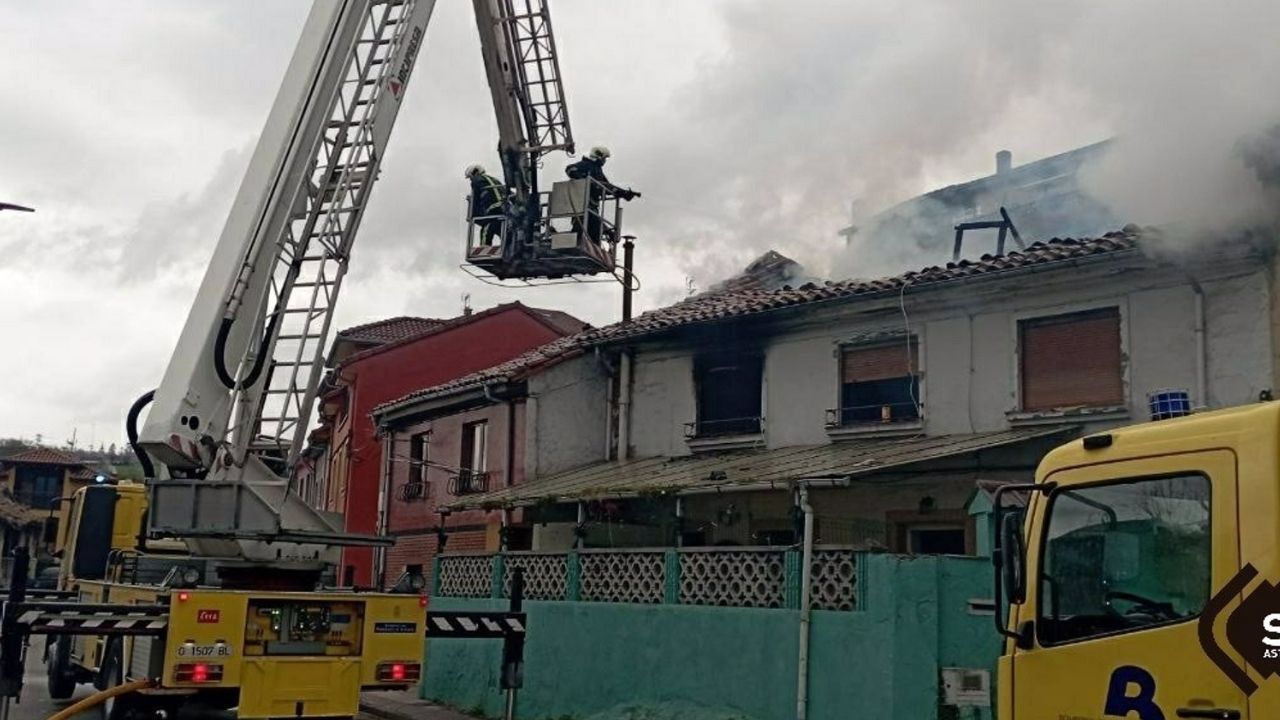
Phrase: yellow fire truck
(268, 654)
(1139, 572)
(244, 616)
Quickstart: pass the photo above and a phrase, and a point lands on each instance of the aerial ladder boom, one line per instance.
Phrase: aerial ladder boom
(523, 71)
(230, 417)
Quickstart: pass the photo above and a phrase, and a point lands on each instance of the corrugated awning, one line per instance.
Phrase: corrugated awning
(745, 469)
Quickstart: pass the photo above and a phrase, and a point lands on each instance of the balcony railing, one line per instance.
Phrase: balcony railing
(469, 482)
(412, 490)
(870, 415)
(720, 428)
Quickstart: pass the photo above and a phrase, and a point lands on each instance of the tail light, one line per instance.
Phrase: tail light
(198, 673)
(399, 672)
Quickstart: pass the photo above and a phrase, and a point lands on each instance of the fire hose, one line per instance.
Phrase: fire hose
(100, 697)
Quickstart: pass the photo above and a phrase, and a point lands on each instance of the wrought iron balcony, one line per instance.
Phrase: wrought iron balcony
(469, 482)
(412, 491)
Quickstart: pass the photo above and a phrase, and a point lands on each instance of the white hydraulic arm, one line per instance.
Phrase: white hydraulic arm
(230, 416)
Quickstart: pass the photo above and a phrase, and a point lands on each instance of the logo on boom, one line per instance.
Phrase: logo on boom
(398, 81)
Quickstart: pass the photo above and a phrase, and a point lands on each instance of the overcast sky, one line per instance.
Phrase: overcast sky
(747, 124)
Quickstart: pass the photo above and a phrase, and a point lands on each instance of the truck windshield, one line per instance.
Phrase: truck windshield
(1124, 556)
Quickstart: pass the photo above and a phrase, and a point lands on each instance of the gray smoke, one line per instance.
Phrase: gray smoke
(813, 105)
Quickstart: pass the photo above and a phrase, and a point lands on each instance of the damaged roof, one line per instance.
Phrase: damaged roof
(749, 298)
(740, 303)
(749, 469)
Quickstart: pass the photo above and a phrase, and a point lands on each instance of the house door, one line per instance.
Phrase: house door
(1122, 561)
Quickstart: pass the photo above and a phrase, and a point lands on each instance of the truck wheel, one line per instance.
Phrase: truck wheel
(62, 682)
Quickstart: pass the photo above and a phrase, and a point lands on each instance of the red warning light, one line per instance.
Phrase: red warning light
(397, 672)
(200, 673)
(422, 601)
(184, 596)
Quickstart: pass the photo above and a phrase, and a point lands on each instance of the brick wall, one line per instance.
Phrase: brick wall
(420, 549)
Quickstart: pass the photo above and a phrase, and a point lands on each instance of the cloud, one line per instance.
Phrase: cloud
(747, 124)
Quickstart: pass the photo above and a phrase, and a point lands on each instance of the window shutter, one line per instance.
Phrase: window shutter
(1071, 360)
(879, 362)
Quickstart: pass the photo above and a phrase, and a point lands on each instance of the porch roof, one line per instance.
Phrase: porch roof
(743, 470)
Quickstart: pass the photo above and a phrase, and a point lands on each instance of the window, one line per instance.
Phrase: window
(419, 453)
(929, 531)
(729, 394)
(936, 541)
(1071, 360)
(38, 486)
(1124, 556)
(880, 383)
(474, 441)
(472, 476)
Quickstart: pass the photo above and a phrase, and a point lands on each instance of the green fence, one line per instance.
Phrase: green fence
(918, 623)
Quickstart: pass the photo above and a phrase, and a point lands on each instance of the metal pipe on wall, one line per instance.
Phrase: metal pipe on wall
(624, 406)
(806, 571)
(384, 506)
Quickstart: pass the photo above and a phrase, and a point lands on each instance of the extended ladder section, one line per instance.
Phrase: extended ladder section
(314, 249)
(527, 25)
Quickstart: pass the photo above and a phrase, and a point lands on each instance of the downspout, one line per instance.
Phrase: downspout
(806, 566)
(608, 417)
(1201, 344)
(384, 506)
(511, 443)
(624, 406)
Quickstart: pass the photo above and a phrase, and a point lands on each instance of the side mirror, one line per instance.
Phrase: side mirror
(1009, 555)
(1013, 558)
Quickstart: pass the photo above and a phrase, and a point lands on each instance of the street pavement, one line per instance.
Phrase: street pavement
(35, 703)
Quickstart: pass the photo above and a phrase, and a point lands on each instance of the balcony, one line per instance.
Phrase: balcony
(469, 482)
(887, 419)
(724, 434)
(414, 490)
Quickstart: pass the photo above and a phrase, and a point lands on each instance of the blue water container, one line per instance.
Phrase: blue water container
(1167, 404)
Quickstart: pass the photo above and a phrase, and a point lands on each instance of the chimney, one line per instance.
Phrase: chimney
(1004, 162)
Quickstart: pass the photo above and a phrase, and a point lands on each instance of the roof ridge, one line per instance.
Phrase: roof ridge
(49, 455)
(443, 326)
(385, 321)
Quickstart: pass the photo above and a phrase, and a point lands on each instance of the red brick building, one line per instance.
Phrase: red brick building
(462, 437)
(372, 364)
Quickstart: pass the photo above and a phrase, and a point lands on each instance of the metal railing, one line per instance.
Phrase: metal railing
(877, 414)
(469, 482)
(577, 230)
(727, 426)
